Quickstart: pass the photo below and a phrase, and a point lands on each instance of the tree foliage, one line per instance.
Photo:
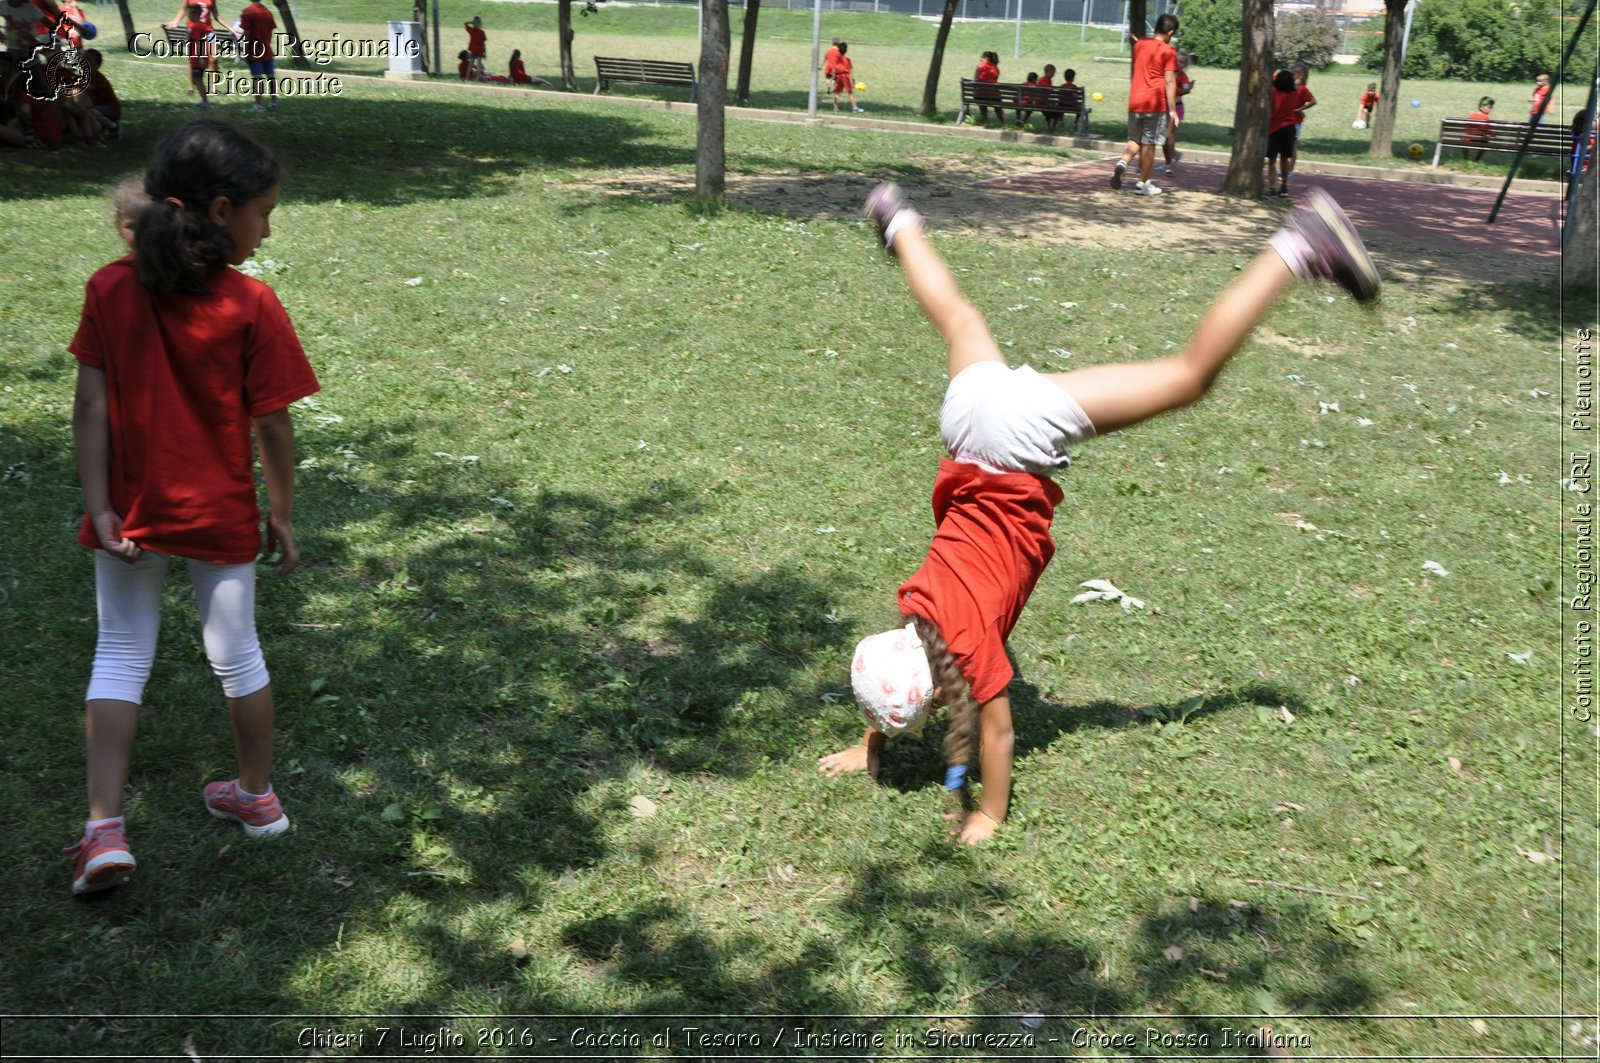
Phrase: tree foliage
(1211, 32)
(1479, 40)
(1309, 37)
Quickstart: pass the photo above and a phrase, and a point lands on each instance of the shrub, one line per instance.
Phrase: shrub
(1310, 38)
(1478, 40)
(1210, 31)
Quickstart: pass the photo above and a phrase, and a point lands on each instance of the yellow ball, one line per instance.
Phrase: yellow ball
(861, 86)
(1416, 151)
(1097, 97)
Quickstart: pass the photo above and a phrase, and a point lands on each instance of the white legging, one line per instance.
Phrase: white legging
(128, 598)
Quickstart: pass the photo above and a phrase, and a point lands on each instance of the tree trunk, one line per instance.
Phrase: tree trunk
(295, 47)
(1253, 109)
(127, 22)
(1394, 36)
(930, 90)
(1579, 257)
(710, 154)
(564, 34)
(1138, 23)
(747, 50)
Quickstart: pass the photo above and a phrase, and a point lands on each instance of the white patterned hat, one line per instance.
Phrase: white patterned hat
(892, 681)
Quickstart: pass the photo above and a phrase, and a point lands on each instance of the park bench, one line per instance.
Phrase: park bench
(1051, 99)
(222, 40)
(1550, 138)
(644, 72)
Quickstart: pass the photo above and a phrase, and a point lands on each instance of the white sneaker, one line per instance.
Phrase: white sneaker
(860, 110)
(1146, 188)
(1167, 170)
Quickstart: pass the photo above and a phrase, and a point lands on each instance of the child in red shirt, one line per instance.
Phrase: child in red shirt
(1008, 431)
(844, 78)
(1369, 100)
(199, 53)
(519, 72)
(1479, 130)
(477, 45)
(1280, 128)
(988, 72)
(181, 361)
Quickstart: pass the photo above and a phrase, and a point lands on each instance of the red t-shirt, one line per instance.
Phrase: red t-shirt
(462, 68)
(842, 72)
(1283, 110)
(830, 57)
(519, 72)
(103, 95)
(1152, 59)
(184, 376)
(477, 40)
(199, 45)
(258, 25)
(1478, 132)
(46, 120)
(992, 543)
(1302, 97)
(1046, 80)
(1368, 99)
(1538, 98)
(987, 71)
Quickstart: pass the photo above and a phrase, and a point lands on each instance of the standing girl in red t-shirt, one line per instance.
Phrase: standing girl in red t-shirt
(1008, 431)
(181, 361)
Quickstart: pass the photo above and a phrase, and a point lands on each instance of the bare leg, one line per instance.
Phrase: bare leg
(109, 728)
(1147, 161)
(961, 324)
(252, 738)
(1116, 396)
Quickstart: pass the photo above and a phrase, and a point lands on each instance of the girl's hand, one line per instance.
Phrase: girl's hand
(847, 761)
(108, 526)
(280, 541)
(974, 827)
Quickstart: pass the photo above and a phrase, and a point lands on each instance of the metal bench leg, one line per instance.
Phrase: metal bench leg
(1438, 149)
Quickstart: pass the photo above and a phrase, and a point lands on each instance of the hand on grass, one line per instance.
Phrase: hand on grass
(849, 761)
(970, 828)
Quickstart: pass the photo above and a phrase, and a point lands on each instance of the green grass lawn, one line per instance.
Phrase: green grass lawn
(891, 55)
(597, 498)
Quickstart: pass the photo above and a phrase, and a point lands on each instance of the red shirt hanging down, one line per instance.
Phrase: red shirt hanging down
(1302, 99)
(1147, 93)
(477, 40)
(992, 543)
(1283, 110)
(184, 376)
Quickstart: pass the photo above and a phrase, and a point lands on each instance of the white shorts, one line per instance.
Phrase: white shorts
(1011, 420)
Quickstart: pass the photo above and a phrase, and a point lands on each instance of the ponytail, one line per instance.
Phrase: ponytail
(177, 244)
(961, 738)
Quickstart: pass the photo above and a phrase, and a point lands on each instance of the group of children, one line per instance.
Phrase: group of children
(53, 90)
(470, 60)
(1291, 99)
(839, 72)
(988, 71)
(183, 361)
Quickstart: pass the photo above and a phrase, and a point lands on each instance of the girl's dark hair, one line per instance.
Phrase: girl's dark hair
(1283, 81)
(1070, 75)
(844, 48)
(961, 739)
(516, 53)
(177, 245)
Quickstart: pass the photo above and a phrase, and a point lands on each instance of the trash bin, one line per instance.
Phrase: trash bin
(405, 50)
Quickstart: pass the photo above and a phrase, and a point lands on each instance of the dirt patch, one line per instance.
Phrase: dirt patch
(1416, 232)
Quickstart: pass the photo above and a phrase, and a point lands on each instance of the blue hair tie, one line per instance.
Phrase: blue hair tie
(955, 776)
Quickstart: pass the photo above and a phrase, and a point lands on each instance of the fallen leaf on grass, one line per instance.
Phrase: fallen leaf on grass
(519, 952)
(1215, 976)
(1479, 1027)
(1173, 953)
(641, 807)
(1455, 765)
(1435, 568)
(1288, 717)
(1535, 855)
(188, 1047)
(1100, 590)
(1288, 806)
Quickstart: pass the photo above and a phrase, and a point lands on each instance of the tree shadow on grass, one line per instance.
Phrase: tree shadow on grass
(911, 762)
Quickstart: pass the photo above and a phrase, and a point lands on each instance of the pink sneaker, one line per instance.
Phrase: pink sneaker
(103, 860)
(261, 818)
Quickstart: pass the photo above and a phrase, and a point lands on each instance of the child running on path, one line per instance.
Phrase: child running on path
(180, 361)
(1008, 431)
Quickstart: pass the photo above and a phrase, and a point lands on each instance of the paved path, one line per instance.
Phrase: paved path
(1450, 218)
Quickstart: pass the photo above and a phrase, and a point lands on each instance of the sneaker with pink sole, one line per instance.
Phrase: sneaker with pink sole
(261, 817)
(103, 860)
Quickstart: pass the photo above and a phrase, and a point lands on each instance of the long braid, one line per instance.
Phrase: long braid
(961, 739)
